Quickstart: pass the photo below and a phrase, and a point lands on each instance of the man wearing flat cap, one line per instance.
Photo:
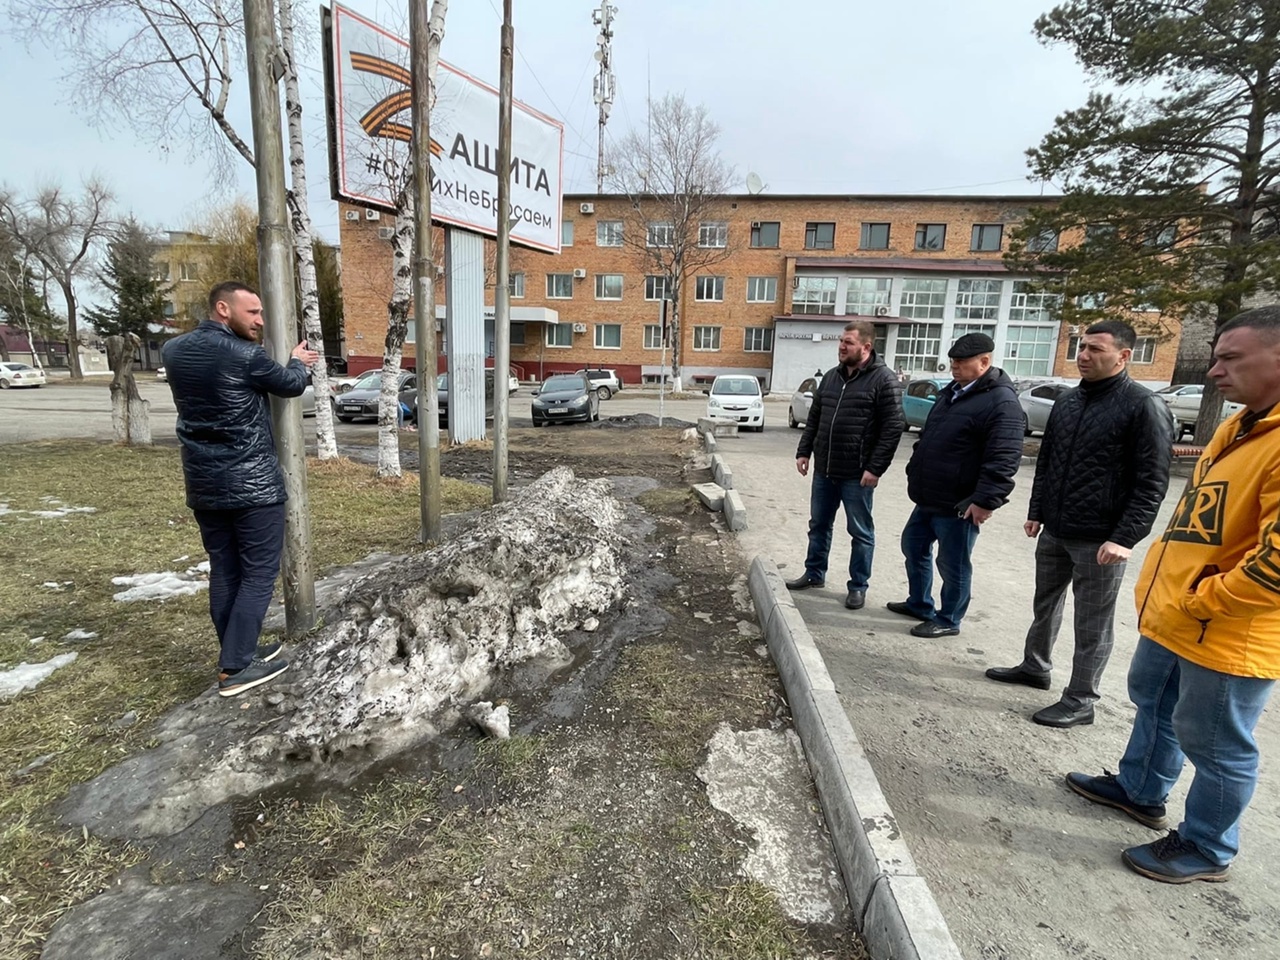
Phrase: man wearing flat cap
(1101, 475)
(961, 471)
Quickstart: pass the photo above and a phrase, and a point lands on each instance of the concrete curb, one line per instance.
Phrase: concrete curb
(735, 511)
(895, 910)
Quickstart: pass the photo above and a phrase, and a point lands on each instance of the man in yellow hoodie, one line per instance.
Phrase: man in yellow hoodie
(1209, 613)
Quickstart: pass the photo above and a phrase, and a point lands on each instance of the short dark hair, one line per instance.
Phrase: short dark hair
(865, 329)
(1266, 320)
(225, 289)
(1121, 332)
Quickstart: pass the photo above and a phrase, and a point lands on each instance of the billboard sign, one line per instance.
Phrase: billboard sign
(370, 127)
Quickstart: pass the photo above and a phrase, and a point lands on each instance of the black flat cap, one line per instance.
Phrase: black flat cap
(971, 345)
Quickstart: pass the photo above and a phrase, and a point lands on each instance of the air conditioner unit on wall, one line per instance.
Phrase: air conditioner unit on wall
(386, 233)
(587, 208)
(579, 274)
(941, 366)
(372, 215)
(353, 214)
(1073, 330)
(882, 311)
(579, 328)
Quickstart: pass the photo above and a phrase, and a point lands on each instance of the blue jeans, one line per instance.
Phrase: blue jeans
(955, 537)
(826, 497)
(1189, 712)
(244, 558)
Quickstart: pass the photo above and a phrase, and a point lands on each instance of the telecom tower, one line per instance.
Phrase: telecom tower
(604, 86)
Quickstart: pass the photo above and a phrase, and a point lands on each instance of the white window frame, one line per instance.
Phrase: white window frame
(557, 327)
(551, 278)
(602, 328)
(1144, 351)
(713, 235)
(918, 346)
(1043, 344)
(757, 340)
(603, 281)
(566, 233)
(978, 300)
(928, 301)
(189, 271)
(814, 292)
(856, 300)
(653, 336)
(708, 289)
(660, 234)
(651, 283)
(703, 334)
(1030, 306)
(515, 283)
(757, 287)
(608, 233)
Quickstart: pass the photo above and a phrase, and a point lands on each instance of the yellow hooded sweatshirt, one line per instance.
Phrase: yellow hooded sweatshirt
(1209, 591)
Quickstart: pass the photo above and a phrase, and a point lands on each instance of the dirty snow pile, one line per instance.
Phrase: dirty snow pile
(54, 509)
(162, 586)
(28, 676)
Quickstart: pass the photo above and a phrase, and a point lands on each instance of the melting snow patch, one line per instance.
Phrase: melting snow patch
(79, 633)
(55, 585)
(162, 586)
(28, 676)
(55, 510)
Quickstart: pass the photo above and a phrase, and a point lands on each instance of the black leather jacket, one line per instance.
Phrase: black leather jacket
(1104, 464)
(855, 422)
(220, 385)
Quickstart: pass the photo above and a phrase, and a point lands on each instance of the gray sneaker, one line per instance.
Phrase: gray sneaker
(255, 674)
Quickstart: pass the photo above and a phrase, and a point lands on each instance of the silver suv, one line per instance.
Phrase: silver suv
(606, 382)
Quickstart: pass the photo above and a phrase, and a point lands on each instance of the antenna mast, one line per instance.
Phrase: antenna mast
(602, 17)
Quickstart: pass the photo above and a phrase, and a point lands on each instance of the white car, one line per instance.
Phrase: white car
(161, 376)
(1184, 401)
(737, 398)
(14, 374)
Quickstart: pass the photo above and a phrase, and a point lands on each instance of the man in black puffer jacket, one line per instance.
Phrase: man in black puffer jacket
(1102, 472)
(221, 379)
(961, 472)
(853, 429)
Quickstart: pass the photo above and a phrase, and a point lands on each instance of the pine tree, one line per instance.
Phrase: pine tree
(137, 298)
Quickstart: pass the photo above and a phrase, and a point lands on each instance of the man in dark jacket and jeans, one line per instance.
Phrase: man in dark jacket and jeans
(854, 425)
(961, 472)
(221, 380)
(1102, 472)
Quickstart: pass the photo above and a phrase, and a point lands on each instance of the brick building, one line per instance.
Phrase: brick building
(924, 270)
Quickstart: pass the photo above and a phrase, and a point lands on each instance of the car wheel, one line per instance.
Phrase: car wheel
(1026, 426)
(791, 419)
(604, 393)
(4, 384)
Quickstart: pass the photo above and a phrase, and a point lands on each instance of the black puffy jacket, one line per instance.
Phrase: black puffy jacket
(970, 447)
(1104, 464)
(855, 422)
(220, 385)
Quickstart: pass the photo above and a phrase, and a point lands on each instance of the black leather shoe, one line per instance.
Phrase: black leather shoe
(803, 582)
(1107, 791)
(903, 609)
(1063, 715)
(931, 630)
(856, 599)
(1017, 675)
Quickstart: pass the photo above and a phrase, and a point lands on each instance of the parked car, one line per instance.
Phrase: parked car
(1183, 401)
(801, 400)
(13, 374)
(361, 402)
(565, 396)
(606, 382)
(161, 376)
(737, 397)
(513, 384)
(1037, 402)
(442, 398)
(919, 397)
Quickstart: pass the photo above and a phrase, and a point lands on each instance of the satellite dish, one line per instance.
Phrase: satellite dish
(754, 183)
(598, 55)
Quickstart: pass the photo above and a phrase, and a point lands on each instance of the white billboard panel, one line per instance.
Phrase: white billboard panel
(371, 126)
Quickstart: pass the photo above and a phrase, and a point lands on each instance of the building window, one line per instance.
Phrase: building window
(515, 284)
(1091, 301)
(559, 335)
(608, 233)
(517, 334)
(867, 296)
(190, 271)
(566, 233)
(1028, 350)
(923, 299)
(1031, 306)
(931, 236)
(160, 271)
(814, 295)
(819, 236)
(653, 336)
(919, 345)
(657, 288)
(757, 339)
(764, 233)
(978, 299)
(608, 286)
(762, 289)
(1044, 242)
(559, 286)
(709, 289)
(1145, 350)
(960, 329)
(875, 236)
(1099, 233)
(1162, 238)
(987, 236)
(660, 235)
(608, 336)
(706, 338)
(713, 235)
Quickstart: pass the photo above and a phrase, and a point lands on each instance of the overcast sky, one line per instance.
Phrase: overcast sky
(816, 96)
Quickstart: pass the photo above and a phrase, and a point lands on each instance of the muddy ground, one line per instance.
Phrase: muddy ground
(589, 832)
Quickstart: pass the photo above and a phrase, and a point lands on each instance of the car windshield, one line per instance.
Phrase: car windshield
(18, 366)
(367, 381)
(556, 384)
(1173, 389)
(737, 386)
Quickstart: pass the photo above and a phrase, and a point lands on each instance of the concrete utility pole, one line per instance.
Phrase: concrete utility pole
(501, 292)
(604, 86)
(275, 273)
(424, 275)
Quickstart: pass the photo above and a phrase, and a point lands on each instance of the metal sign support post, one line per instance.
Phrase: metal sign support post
(662, 363)
(464, 333)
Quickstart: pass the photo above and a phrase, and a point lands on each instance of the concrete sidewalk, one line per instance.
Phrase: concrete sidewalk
(1020, 867)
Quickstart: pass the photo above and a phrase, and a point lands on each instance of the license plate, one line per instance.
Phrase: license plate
(556, 413)
(350, 409)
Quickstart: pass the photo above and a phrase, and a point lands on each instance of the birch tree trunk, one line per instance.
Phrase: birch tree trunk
(129, 417)
(300, 222)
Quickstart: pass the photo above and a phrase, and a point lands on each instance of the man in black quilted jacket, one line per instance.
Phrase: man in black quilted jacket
(853, 429)
(221, 378)
(1102, 472)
